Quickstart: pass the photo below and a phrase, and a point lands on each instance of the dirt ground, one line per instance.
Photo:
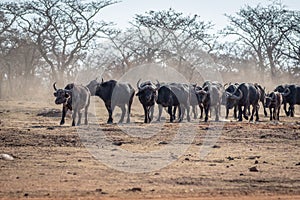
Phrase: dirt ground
(245, 161)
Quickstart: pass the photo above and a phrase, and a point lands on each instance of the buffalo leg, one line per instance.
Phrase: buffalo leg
(217, 110)
(246, 112)
(123, 109)
(181, 112)
(256, 113)
(206, 110)
(109, 110)
(278, 111)
(235, 112)
(129, 108)
(64, 112)
(270, 114)
(188, 113)
(292, 110)
(275, 114)
(201, 111)
(74, 116)
(265, 111)
(252, 114)
(160, 108)
(146, 114)
(170, 113)
(286, 112)
(174, 113)
(227, 113)
(240, 113)
(194, 110)
(79, 118)
(86, 115)
(151, 112)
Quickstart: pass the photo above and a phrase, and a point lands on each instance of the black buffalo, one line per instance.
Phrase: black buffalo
(174, 95)
(73, 97)
(291, 96)
(114, 94)
(194, 101)
(228, 91)
(273, 102)
(245, 95)
(210, 97)
(147, 96)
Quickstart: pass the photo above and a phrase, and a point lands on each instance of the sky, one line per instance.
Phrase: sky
(208, 10)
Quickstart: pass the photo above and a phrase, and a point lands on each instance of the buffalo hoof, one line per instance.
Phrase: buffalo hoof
(62, 123)
(246, 117)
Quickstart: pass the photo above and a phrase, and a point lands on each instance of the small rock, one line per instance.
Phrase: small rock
(230, 158)
(79, 160)
(216, 146)
(186, 159)
(163, 142)
(98, 190)
(253, 169)
(50, 128)
(117, 143)
(241, 174)
(5, 156)
(156, 173)
(26, 195)
(298, 164)
(135, 189)
(256, 162)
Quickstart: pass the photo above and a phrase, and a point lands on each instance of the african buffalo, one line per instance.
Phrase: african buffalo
(194, 101)
(113, 94)
(174, 95)
(291, 96)
(73, 97)
(147, 96)
(262, 93)
(210, 97)
(243, 96)
(228, 91)
(274, 101)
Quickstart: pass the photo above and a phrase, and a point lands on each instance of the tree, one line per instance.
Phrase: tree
(61, 30)
(164, 37)
(263, 31)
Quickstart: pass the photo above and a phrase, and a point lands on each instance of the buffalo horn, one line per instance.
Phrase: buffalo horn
(138, 84)
(54, 86)
(286, 92)
(238, 97)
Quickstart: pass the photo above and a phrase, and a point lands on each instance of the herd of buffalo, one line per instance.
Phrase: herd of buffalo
(240, 97)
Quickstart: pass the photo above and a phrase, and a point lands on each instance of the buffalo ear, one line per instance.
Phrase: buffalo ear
(55, 94)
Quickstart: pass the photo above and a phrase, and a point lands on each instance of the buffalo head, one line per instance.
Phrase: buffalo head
(61, 95)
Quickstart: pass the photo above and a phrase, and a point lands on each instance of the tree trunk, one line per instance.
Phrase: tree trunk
(272, 64)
